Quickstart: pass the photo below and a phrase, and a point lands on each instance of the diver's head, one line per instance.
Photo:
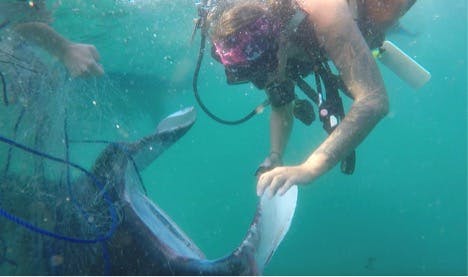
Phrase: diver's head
(245, 41)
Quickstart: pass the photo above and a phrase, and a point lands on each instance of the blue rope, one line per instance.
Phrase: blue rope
(106, 257)
(27, 225)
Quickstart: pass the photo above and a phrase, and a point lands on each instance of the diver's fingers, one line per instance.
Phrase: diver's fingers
(95, 53)
(276, 183)
(95, 69)
(81, 73)
(92, 69)
(287, 185)
(263, 182)
(76, 70)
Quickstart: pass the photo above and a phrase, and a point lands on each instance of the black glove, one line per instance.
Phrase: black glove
(273, 160)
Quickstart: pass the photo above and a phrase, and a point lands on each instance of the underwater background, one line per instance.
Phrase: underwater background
(403, 211)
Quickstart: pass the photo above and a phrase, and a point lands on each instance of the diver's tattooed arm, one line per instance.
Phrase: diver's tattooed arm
(345, 45)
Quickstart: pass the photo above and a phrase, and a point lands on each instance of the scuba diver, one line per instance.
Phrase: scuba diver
(275, 44)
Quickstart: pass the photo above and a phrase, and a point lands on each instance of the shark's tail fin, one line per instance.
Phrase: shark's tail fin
(270, 225)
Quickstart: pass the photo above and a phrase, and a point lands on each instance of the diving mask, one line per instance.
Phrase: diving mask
(249, 52)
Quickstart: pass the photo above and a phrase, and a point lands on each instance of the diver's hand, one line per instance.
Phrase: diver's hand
(82, 60)
(280, 179)
(273, 160)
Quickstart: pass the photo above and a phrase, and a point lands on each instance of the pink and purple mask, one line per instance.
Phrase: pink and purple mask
(248, 44)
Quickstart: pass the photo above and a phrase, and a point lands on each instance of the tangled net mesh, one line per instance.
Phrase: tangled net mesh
(55, 214)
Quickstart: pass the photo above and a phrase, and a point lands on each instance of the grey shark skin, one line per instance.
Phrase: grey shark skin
(148, 242)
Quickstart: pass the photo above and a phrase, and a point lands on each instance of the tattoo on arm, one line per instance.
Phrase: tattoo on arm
(351, 55)
(357, 124)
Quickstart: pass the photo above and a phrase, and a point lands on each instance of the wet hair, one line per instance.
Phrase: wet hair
(232, 16)
(282, 9)
(237, 17)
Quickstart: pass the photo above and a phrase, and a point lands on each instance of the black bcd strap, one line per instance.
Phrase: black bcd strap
(330, 105)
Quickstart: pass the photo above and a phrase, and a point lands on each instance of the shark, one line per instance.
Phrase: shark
(103, 223)
(148, 242)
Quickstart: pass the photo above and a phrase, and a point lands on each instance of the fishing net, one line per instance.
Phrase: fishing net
(56, 215)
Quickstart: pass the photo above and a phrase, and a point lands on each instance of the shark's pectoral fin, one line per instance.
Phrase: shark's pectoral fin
(275, 219)
(114, 159)
(169, 130)
(270, 225)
